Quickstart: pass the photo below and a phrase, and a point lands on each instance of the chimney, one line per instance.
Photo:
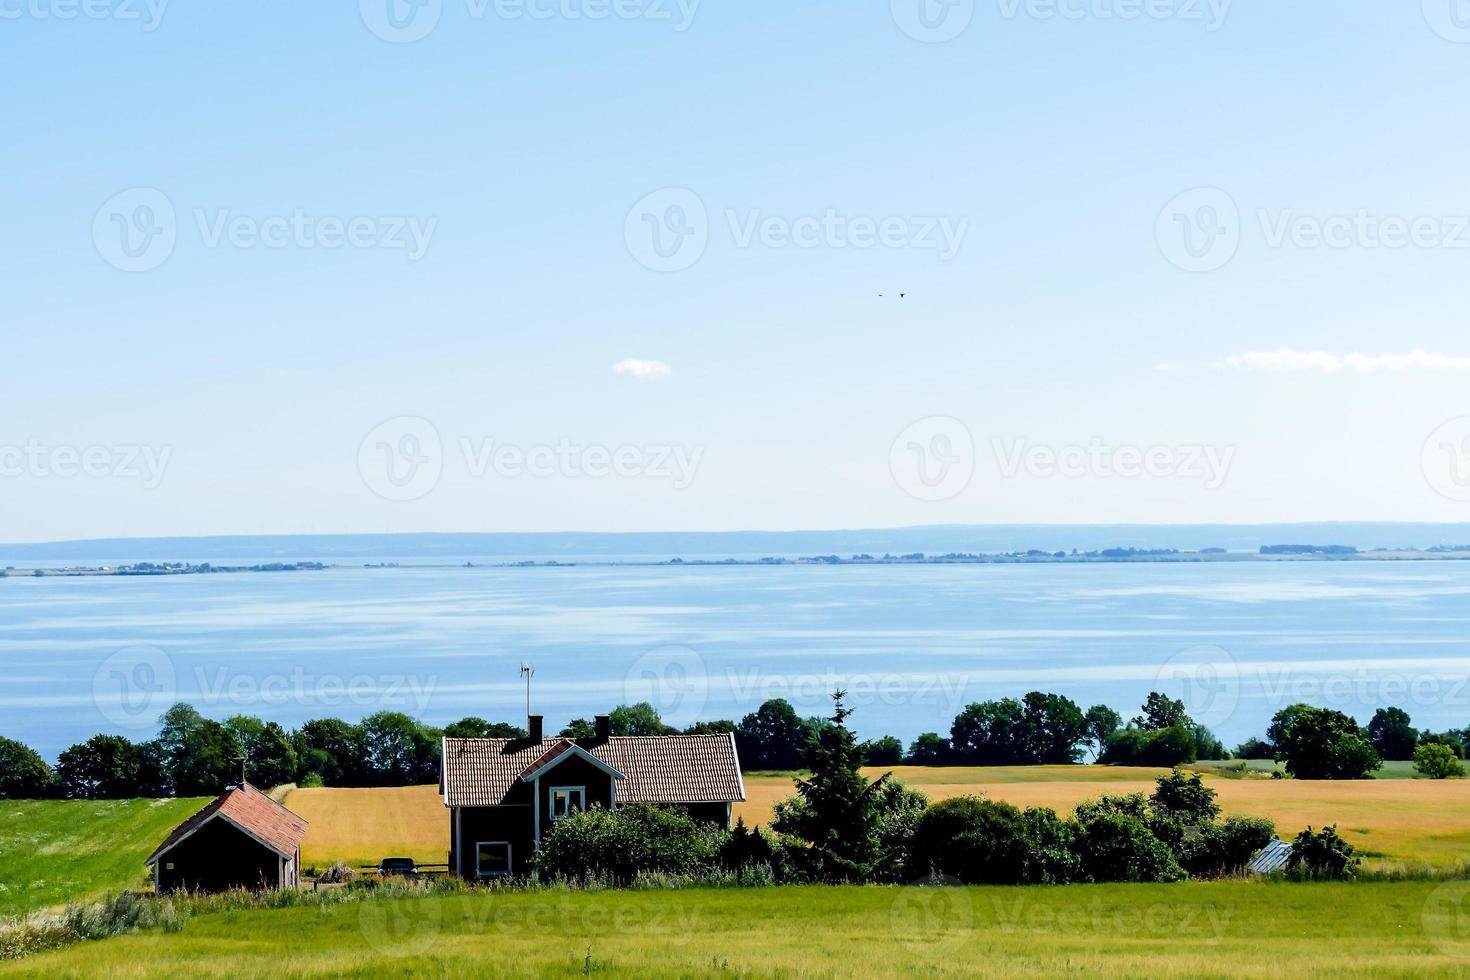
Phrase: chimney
(533, 725)
(604, 728)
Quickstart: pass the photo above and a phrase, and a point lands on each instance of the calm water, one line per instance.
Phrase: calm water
(912, 643)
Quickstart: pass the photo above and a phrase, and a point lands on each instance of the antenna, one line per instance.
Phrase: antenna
(528, 671)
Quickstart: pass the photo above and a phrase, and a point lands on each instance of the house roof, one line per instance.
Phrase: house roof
(654, 768)
(557, 754)
(250, 811)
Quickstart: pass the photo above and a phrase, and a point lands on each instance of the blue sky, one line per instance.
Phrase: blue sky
(1034, 185)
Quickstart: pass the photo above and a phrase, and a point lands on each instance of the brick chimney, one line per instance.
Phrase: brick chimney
(533, 725)
(604, 727)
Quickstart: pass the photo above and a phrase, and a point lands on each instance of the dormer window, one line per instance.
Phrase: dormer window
(567, 800)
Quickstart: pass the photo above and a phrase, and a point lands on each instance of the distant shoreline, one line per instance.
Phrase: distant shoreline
(1325, 554)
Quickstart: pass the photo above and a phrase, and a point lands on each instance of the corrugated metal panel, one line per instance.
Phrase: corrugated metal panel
(1271, 858)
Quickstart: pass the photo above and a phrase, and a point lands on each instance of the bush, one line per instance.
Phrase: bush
(1115, 846)
(615, 846)
(1321, 856)
(1216, 850)
(1437, 761)
(1051, 854)
(977, 841)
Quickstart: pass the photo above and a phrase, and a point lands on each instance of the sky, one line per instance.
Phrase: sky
(674, 265)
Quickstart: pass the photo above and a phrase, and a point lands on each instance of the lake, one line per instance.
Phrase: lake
(912, 643)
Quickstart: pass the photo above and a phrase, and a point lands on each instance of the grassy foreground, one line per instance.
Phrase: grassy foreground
(57, 851)
(1389, 820)
(1225, 929)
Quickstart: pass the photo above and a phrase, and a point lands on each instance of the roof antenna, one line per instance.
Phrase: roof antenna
(528, 671)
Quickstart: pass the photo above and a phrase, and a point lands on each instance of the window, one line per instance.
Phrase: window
(567, 800)
(492, 858)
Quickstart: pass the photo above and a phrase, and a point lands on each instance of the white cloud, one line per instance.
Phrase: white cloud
(1166, 368)
(632, 367)
(1320, 360)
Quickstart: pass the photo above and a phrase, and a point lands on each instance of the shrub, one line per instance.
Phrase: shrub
(1051, 856)
(1437, 761)
(977, 841)
(1321, 855)
(614, 846)
(1114, 845)
(1216, 850)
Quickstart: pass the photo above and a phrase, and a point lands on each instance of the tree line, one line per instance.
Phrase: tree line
(196, 756)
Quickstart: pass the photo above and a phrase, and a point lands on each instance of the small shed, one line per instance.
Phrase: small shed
(243, 839)
(1271, 858)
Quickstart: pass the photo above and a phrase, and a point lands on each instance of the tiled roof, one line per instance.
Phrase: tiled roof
(656, 768)
(251, 810)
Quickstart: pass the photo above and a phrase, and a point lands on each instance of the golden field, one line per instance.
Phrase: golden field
(1408, 820)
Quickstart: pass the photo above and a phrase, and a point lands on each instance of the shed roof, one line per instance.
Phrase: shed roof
(1271, 858)
(655, 768)
(250, 811)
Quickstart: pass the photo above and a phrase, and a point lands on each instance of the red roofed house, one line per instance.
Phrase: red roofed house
(244, 839)
(504, 794)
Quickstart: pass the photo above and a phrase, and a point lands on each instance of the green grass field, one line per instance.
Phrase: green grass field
(1223, 929)
(55, 851)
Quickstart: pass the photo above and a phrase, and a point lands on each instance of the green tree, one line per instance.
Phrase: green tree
(772, 737)
(988, 733)
(271, 759)
(929, 749)
(637, 719)
(721, 727)
(1101, 724)
(24, 775)
(473, 727)
(333, 750)
(579, 728)
(1435, 761)
(1318, 743)
(840, 813)
(105, 767)
(201, 755)
(1161, 711)
(400, 751)
(886, 751)
(1391, 735)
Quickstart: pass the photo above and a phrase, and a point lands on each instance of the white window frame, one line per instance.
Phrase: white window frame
(509, 859)
(581, 792)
